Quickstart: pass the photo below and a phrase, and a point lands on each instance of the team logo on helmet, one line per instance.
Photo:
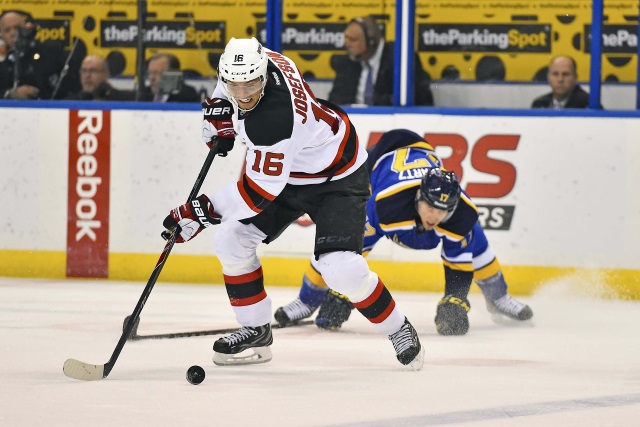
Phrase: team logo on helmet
(440, 188)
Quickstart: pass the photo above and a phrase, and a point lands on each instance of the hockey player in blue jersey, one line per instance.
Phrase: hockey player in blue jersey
(418, 204)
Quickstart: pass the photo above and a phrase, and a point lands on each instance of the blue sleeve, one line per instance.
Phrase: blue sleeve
(372, 232)
(458, 254)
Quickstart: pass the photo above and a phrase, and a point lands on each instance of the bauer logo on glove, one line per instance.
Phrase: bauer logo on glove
(218, 122)
(190, 219)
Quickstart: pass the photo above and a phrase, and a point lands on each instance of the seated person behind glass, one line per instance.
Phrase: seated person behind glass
(367, 52)
(94, 78)
(40, 65)
(565, 91)
(165, 82)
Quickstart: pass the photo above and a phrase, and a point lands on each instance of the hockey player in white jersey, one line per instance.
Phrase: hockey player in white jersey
(418, 205)
(303, 156)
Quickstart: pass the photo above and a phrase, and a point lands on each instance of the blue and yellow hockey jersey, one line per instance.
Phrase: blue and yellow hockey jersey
(397, 164)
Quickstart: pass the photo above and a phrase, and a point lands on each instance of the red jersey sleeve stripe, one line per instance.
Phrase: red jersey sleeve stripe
(344, 141)
(349, 144)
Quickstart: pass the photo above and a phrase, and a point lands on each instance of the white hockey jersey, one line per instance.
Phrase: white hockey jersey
(291, 138)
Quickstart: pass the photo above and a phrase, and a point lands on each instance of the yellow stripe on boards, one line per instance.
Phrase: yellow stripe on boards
(401, 276)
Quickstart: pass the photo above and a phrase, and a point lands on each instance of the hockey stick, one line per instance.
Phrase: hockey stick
(136, 337)
(84, 371)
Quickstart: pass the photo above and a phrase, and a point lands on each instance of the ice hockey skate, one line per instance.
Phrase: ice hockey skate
(294, 312)
(407, 345)
(254, 340)
(507, 307)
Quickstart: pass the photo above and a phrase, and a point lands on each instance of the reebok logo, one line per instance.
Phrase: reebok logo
(87, 166)
(88, 193)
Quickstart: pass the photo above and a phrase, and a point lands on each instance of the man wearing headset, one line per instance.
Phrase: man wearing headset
(366, 74)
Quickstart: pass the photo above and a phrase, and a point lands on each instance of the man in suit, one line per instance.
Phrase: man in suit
(565, 91)
(366, 74)
(39, 65)
(157, 66)
(94, 78)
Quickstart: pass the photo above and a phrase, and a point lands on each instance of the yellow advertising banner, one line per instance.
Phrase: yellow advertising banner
(456, 39)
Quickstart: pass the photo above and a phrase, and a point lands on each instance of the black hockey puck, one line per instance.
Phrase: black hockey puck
(195, 375)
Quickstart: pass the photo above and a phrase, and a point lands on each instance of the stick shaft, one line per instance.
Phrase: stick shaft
(158, 268)
(136, 337)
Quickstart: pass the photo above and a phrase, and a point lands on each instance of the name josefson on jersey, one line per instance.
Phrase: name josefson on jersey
(297, 88)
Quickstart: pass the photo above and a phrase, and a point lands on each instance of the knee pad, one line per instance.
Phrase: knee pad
(347, 273)
(451, 316)
(235, 245)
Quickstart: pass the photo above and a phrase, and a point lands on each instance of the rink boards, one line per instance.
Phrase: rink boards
(85, 192)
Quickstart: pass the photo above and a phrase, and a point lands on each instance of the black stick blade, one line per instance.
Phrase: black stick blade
(83, 371)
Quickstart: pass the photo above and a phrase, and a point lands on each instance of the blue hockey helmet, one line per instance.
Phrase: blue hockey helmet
(440, 188)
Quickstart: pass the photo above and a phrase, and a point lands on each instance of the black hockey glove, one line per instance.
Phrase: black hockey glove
(451, 316)
(218, 122)
(334, 311)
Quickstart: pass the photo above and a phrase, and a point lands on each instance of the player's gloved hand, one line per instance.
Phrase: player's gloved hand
(217, 121)
(334, 311)
(451, 315)
(190, 218)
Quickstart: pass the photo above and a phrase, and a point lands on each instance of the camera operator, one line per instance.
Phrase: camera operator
(31, 69)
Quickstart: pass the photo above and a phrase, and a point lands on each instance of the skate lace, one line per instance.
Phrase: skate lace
(506, 304)
(296, 309)
(240, 335)
(402, 339)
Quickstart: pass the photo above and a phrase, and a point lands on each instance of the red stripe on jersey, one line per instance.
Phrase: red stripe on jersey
(383, 316)
(245, 196)
(255, 187)
(371, 298)
(355, 154)
(339, 154)
(241, 302)
(307, 87)
(243, 278)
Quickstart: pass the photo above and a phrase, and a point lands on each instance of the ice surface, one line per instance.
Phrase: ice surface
(576, 364)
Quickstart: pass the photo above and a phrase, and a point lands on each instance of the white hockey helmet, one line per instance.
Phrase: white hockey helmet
(243, 60)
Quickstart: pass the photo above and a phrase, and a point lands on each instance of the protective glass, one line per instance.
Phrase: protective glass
(241, 90)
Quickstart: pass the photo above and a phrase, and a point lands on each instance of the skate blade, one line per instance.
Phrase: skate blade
(257, 355)
(417, 363)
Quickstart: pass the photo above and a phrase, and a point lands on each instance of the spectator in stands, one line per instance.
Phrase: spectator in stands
(366, 74)
(565, 91)
(156, 91)
(94, 77)
(39, 71)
